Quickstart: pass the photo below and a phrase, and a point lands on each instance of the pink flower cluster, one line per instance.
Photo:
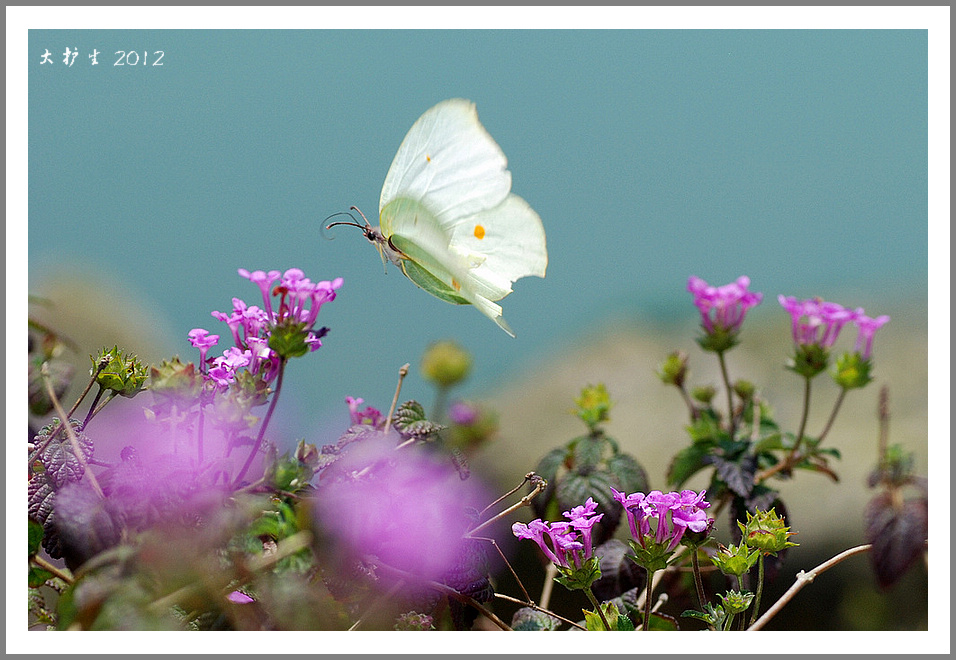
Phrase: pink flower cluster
(723, 308)
(817, 322)
(672, 514)
(567, 544)
(300, 301)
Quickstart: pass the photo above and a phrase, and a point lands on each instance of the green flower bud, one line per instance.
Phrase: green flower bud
(736, 602)
(174, 380)
(124, 375)
(766, 532)
(445, 363)
(735, 560)
(674, 369)
(744, 389)
(289, 339)
(579, 577)
(703, 393)
(593, 405)
(809, 360)
(852, 371)
(719, 339)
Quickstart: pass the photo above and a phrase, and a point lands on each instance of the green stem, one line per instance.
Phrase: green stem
(265, 424)
(701, 597)
(756, 603)
(647, 599)
(803, 418)
(441, 401)
(731, 419)
(833, 414)
(89, 413)
(597, 606)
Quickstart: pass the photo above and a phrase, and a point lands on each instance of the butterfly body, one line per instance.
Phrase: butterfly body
(447, 216)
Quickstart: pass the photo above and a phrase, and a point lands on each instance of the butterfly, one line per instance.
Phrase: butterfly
(448, 218)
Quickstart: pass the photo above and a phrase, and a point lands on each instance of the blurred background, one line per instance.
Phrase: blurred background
(798, 158)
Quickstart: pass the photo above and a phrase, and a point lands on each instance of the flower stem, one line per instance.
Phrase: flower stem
(701, 597)
(731, 419)
(89, 413)
(265, 424)
(647, 599)
(597, 606)
(803, 419)
(833, 414)
(756, 604)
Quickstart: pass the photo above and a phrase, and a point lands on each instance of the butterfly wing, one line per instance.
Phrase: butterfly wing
(448, 160)
(446, 205)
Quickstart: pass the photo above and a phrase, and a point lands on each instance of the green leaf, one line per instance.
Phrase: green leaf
(628, 473)
(34, 536)
(37, 576)
(587, 452)
(548, 466)
(624, 622)
(663, 622)
(574, 490)
(687, 462)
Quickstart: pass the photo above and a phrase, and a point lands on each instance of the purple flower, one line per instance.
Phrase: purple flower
(401, 506)
(462, 413)
(816, 322)
(240, 598)
(370, 416)
(264, 280)
(635, 512)
(570, 542)
(867, 328)
(723, 308)
(673, 512)
(202, 340)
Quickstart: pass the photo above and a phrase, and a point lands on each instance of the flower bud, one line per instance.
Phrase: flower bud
(735, 560)
(703, 393)
(445, 363)
(766, 532)
(593, 405)
(852, 370)
(736, 602)
(124, 375)
(674, 369)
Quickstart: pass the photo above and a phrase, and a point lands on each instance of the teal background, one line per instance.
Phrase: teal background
(798, 158)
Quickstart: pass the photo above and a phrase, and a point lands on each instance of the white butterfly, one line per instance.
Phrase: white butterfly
(448, 218)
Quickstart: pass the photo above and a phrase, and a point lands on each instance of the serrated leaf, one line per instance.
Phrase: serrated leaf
(547, 468)
(58, 458)
(624, 623)
(574, 490)
(409, 412)
(550, 463)
(529, 619)
(587, 452)
(663, 622)
(34, 536)
(898, 535)
(628, 474)
(686, 463)
(738, 476)
(37, 577)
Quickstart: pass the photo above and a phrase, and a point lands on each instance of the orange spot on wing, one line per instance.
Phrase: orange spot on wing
(456, 284)
(479, 232)
(428, 158)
